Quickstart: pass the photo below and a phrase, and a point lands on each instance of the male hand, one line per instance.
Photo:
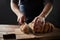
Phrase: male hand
(39, 21)
(21, 18)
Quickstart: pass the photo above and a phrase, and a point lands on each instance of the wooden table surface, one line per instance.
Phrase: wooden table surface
(14, 29)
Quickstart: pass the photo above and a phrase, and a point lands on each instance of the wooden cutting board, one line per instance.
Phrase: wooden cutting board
(14, 29)
(21, 35)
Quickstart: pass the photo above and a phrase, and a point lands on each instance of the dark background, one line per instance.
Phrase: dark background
(8, 17)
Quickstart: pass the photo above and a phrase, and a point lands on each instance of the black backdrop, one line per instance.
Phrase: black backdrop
(6, 14)
(8, 17)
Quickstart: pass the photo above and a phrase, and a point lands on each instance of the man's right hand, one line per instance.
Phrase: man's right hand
(21, 18)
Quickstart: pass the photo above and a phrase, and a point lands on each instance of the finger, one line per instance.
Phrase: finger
(40, 26)
(46, 27)
(34, 19)
(36, 26)
(51, 27)
(42, 22)
(18, 19)
(39, 22)
(36, 22)
(37, 29)
(20, 22)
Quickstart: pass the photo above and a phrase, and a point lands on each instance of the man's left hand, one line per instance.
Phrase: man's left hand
(39, 21)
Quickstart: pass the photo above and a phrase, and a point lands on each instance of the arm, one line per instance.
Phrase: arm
(47, 9)
(39, 21)
(15, 8)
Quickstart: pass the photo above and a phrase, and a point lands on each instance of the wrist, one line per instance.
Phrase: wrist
(20, 14)
(43, 14)
(41, 17)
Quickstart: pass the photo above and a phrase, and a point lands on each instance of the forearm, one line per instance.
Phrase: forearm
(15, 8)
(47, 9)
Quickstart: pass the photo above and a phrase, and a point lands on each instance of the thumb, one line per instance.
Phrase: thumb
(34, 19)
(18, 19)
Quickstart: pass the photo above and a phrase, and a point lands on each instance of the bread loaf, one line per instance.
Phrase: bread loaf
(48, 27)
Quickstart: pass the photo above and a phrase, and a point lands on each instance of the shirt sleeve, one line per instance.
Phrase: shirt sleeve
(16, 1)
(46, 1)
